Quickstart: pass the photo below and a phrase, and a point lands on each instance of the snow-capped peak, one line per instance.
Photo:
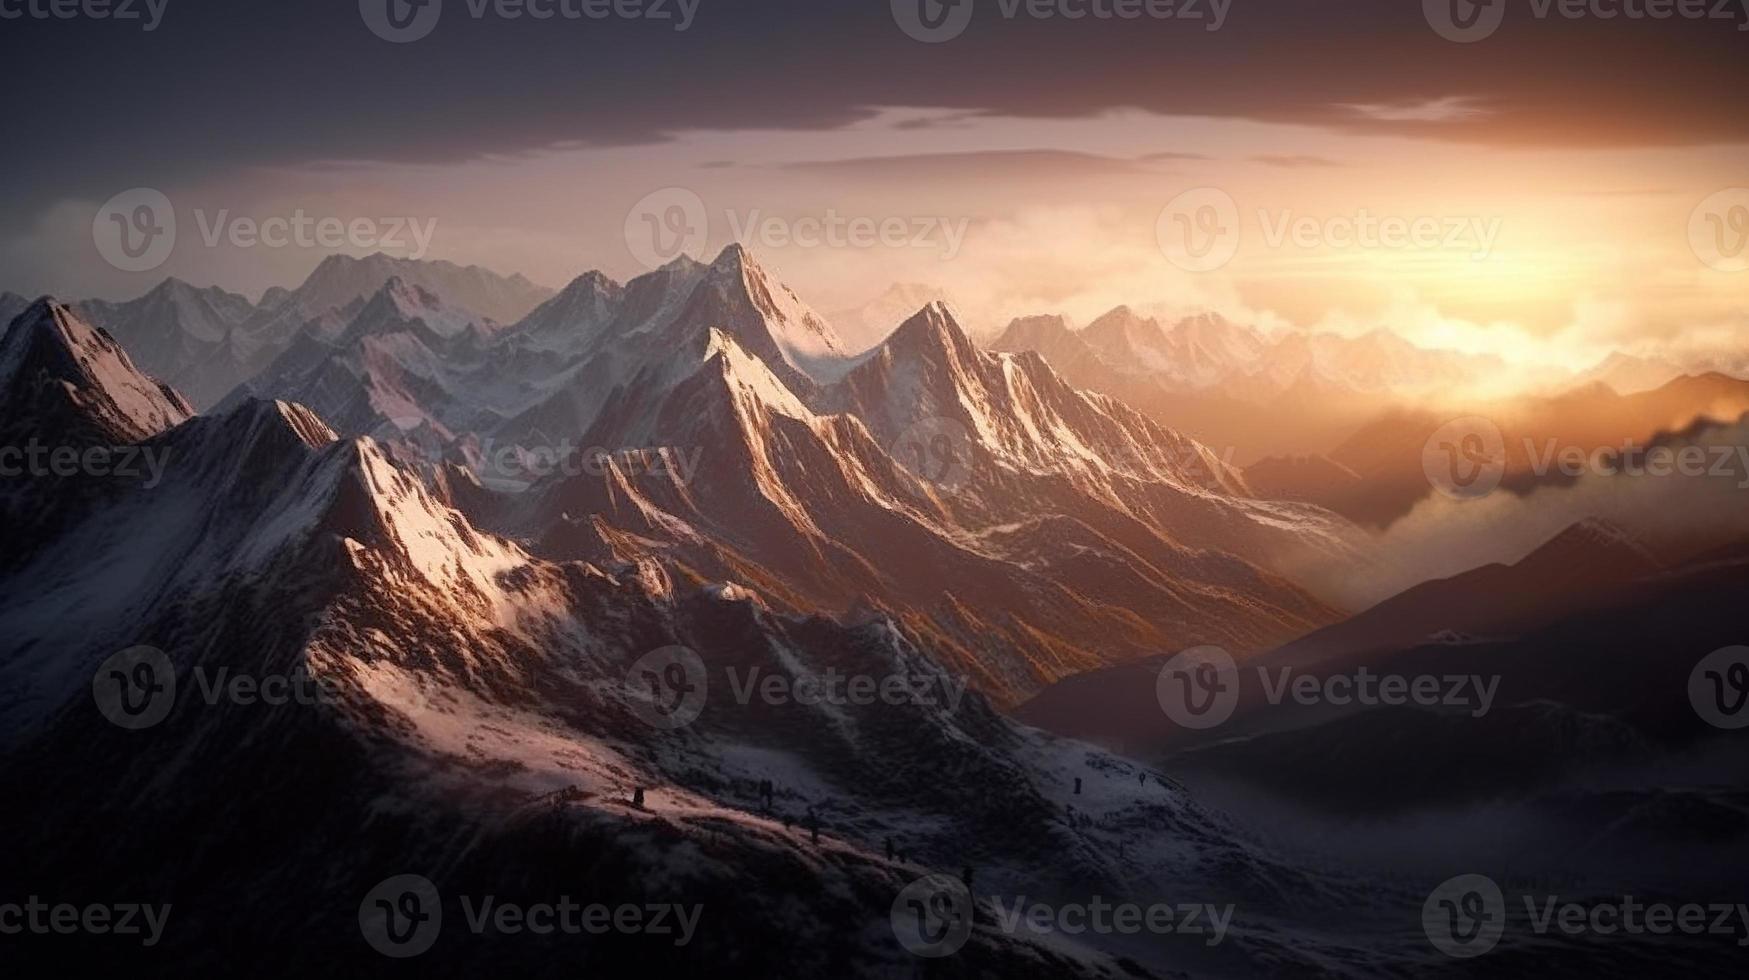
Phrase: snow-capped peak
(683, 264)
(578, 315)
(1126, 337)
(737, 296)
(734, 257)
(409, 298)
(935, 326)
(340, 279)
(400, 302)
(186, 296)
(49, 352)
(255, 420)
(1012, 406)
(751, 376)
(1040, 332)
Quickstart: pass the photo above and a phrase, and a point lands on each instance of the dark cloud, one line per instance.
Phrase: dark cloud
(956, 120)
(221, 85)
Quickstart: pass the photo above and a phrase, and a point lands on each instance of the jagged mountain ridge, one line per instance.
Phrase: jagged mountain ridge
(206, 342)
(339, 279)
(181, 333)
(477, 693)
(405, 357)
(59, 374)
(479, 730)
(797, 445)
(544, 377)
(1588, 643)
(1206, 351)
(1595, 752)
(1227, 385)
(1059, 487)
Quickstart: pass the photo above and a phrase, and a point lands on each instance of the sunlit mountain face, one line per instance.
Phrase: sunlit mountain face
(929, 488)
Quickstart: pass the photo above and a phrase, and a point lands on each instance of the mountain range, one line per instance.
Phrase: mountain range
(559, 579)
(478, 722)
(1575, 744)
(1023, 489)
(1228, 385)
(208, 341)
